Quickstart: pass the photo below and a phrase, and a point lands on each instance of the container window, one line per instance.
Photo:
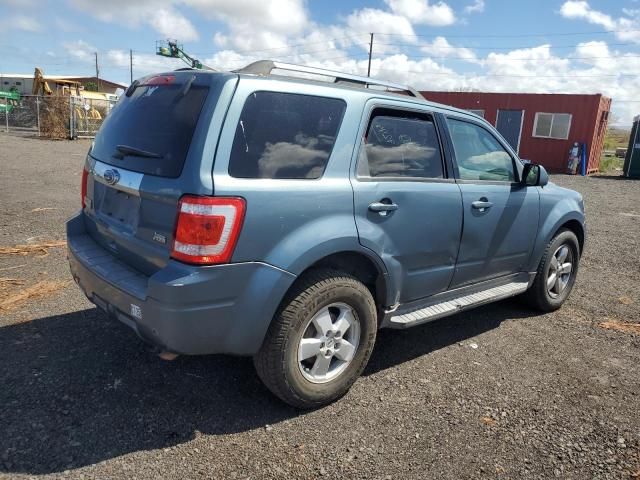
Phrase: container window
(479, 113)
(552, 125)
(285, 136)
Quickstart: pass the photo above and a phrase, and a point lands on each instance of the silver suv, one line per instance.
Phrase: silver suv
(288, 213)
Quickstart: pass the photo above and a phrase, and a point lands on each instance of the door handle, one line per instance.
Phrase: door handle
(482, 204)
(382, 208)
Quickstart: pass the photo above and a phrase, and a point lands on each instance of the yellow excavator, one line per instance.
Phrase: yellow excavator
(66, 88)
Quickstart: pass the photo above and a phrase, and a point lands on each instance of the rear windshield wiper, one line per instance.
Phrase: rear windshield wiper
(134, 152)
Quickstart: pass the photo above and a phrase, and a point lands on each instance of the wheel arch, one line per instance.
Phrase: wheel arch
(571, 221)
(361, 264)
(577, 228)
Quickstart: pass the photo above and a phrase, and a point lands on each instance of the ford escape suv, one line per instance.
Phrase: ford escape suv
(288, 213)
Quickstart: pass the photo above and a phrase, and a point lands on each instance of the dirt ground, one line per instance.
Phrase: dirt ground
(499, 392)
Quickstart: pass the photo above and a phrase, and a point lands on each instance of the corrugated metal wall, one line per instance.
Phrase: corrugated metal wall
(590, 114)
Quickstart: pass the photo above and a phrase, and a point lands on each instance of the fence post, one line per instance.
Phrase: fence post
(38, 112)
(6, 117)
(70, 117)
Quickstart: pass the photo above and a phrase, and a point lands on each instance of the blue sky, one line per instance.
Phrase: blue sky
(568, 46)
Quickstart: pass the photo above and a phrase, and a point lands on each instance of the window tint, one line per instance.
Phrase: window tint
(284, 135)
(478, 154)
(398, 146)
(156, 118)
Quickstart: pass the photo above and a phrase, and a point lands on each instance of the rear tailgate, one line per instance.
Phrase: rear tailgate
(156, 145)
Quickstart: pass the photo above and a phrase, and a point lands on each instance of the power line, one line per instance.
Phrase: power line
(452, 47)
(610, 57)
(519, 35)
(565, 77)
(337, 39)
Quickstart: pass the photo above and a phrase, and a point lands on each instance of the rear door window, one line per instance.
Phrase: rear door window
(401, 144)
(150, 130)
(285, 135)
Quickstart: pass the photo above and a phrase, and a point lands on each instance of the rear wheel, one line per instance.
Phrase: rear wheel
(556, 273)
(320, 340)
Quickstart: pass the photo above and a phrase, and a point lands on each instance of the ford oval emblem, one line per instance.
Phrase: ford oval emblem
(112, 176)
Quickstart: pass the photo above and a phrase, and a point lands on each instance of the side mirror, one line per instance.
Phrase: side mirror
(534, 175)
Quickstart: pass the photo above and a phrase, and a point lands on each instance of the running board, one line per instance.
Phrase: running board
(456, 305)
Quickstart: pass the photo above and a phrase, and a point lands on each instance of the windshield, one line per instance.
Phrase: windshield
(151, 127)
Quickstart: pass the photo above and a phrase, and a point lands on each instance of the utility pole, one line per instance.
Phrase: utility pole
(97, 72)
(370, 51)
(131, 65)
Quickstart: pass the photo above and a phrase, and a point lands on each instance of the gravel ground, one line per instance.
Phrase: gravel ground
(499, 392)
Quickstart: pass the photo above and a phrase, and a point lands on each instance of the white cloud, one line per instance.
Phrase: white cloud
(161, 16)
(378, 21)
(277, 16)
(254, 24)
(80, 49)
(582, 10)
(423, 12)
(169, 23)
(627, 27)
(476, 7)
(440, 47)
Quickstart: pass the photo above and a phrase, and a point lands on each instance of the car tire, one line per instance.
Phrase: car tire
(556, 273)
(306, 359)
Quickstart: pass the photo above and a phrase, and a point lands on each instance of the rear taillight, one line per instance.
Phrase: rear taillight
(207, 229)
(83, 187)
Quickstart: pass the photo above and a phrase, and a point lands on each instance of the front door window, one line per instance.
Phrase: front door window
(478, 154)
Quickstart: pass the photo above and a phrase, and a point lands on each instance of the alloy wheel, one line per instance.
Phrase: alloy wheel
(329, 343)
(560, 271)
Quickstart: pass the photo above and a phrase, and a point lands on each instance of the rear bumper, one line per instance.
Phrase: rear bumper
(181, 308)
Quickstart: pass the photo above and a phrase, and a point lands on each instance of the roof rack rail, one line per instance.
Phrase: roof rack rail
(265, 67)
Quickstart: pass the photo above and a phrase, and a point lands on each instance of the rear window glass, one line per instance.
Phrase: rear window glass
(150, 131)
(284, 135)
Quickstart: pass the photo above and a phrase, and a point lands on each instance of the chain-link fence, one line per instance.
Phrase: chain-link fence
(53, 116)
(87, 115)
(20, 116)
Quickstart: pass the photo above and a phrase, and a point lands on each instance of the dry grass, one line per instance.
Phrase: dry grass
(488, 421)
(39, 249)
(10, 300)
(619, 326)
(43, 209)
(6, 282)
(54, 117)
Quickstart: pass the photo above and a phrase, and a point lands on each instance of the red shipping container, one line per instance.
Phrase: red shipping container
(589, 115)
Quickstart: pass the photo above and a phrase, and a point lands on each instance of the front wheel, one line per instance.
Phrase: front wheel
(320, 340)
(556, 273)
